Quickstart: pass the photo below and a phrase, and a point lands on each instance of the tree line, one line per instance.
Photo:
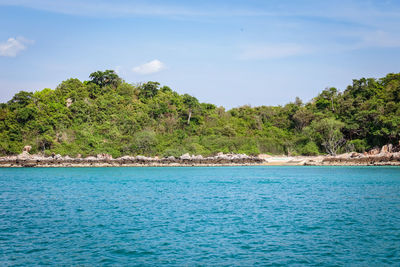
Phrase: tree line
(108, 115)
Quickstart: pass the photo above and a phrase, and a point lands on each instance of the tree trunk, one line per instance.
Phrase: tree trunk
(190, 115)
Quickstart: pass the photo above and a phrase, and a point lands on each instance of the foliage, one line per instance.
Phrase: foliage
(328, 133)
(310, 149)
(104, 78)
(108, 115)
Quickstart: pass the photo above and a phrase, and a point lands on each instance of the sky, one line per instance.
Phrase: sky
(226, 52)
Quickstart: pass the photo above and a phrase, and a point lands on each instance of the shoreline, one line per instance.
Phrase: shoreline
(104, 160)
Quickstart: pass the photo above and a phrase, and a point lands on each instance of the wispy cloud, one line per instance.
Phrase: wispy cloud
(380, 39)
(149, 67)
(272, 51)
(357, 40)
(352, 10)
(99, 8)
(13, 46)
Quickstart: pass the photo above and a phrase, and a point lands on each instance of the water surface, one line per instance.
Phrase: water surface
(323, 216)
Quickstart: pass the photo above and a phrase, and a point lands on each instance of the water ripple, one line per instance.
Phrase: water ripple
(223, 216)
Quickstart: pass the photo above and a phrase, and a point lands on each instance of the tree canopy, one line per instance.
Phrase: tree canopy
(108, 115)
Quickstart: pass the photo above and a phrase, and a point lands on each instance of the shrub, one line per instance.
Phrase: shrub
(310, 149)
(358, 145)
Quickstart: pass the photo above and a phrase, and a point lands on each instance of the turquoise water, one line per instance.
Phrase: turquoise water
(229, 216)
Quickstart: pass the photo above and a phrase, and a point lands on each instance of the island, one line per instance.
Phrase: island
(106, 121)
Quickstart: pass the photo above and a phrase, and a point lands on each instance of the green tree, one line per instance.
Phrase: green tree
(104, 78)
(145, 142)
(328, 133)
(108, 115)
(148, 90)
(20, 100)
(192, 104)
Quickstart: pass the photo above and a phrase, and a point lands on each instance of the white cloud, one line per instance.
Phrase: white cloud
(149, 67)
(13, 46)
(272, 51)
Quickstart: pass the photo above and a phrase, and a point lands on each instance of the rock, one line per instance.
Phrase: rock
(24, 155)
(79, 156)
(222, 156)
(68, 102)
(354, 155)
(142, 158)
(38, 157)
(345, 155)
(384, 149)
(29, 164)
(390, 148)
(127, 158)
(27, 148)
(104, 156)
(374, 152)
(185, 156)
(396, 156)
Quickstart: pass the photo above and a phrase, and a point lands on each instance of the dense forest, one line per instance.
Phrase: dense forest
(107, 115)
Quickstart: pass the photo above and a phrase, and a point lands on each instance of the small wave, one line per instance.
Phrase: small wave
(35, 250)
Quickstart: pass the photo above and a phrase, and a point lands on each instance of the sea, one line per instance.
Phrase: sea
(200, 216)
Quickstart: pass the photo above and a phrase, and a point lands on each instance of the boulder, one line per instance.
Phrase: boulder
(27, 149)
(222, 156)
(390, 148)
(127, 158)
(24, 155)
(396, 156)
(143, 158)
(374, 151)
(104, 156)
(384, 149)
(355, 155)
(185, 156)
(38, 157)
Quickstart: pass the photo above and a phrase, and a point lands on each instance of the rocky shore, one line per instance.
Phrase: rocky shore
(104, 160)
(388, 155)
(385, 156)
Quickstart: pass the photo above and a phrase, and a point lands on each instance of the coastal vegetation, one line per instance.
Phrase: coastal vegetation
(108, 115)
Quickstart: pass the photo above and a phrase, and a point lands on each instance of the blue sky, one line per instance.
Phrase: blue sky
(229, 53)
